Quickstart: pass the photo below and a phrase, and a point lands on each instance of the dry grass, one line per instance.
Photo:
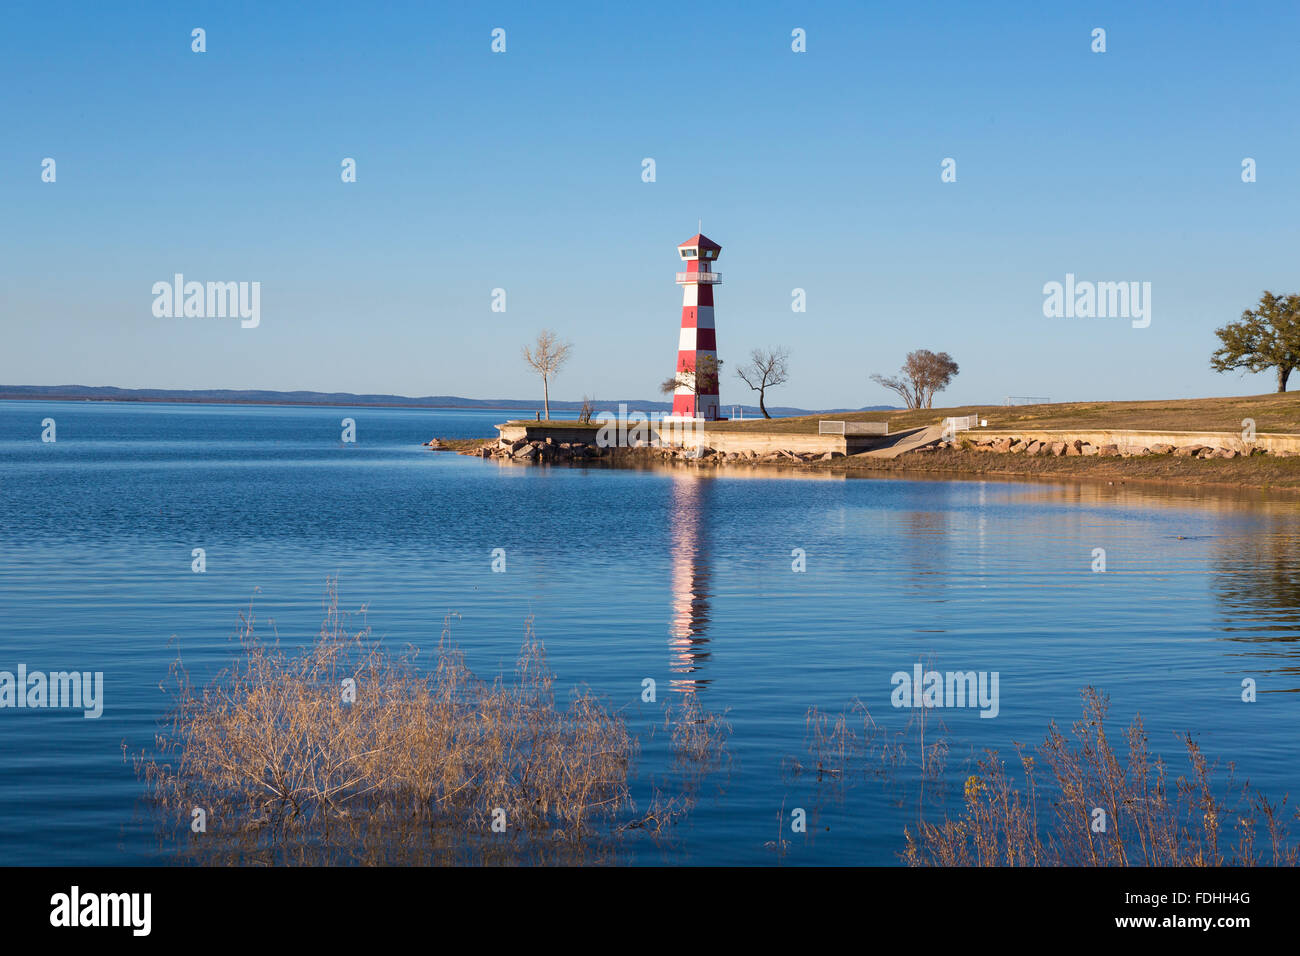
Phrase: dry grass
(1150, 820)
(1272, 413)
(287, 771)
(1195, 820)
(851, 744)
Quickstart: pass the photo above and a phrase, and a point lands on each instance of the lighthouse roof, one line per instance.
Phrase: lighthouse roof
(701, 241)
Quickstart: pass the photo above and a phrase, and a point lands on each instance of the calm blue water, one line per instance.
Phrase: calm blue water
(679, 576)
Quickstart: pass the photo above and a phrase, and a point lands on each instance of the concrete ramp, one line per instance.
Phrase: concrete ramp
(904, 442)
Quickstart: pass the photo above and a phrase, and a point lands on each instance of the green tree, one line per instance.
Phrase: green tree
(1265, 337)
(923, 373)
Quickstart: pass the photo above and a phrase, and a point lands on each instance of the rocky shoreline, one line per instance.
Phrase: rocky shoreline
(968, 458)
(539, 452)
(1078, 448)
(547, 451)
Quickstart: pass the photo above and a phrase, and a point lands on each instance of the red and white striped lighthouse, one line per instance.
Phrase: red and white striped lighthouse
(698, 347)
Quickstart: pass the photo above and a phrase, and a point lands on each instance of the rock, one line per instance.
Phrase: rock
(1226, 453)
(1058, 448)
(1186, 451)
(1002, 445)
(1108, 451)
(1034, 448)
(1088, 449)
(1161, 449)
(526, 453)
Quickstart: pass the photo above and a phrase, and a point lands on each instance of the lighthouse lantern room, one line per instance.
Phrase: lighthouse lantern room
(696, 395)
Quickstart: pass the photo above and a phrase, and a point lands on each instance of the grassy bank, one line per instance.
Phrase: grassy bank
(1257, 472)
(1278, 414)
(1272, 413)
(1253, 473)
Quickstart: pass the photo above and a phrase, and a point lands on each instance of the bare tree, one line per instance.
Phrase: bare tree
(701, 379)
(923, 373)
(546, 357)
(766, 369)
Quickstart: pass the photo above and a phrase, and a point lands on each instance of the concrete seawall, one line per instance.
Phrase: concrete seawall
(726, 441)
(757, 441)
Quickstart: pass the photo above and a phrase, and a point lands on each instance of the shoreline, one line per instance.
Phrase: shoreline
(1255, 474)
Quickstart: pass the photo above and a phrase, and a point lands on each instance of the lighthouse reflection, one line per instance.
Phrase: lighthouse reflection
(689, 623)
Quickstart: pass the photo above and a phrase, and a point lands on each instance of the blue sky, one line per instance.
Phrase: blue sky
(522, 171)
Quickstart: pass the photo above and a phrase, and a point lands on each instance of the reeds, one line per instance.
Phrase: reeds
(344, 751)
(1105, 808)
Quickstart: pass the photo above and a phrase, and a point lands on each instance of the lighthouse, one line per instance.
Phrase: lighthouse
(697, 348)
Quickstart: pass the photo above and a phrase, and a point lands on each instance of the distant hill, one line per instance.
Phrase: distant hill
(108, 393)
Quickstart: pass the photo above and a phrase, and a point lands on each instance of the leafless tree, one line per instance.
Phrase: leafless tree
(546, 358)
(702, 379)
(923, 374)
(766, 369)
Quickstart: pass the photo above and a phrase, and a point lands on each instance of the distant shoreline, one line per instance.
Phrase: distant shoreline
(262, 402)
(306, 398)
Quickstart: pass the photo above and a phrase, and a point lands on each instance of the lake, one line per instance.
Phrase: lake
(682, 576)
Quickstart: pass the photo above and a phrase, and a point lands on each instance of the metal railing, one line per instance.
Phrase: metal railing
(826, 427)
(699, 278)
(963, 424)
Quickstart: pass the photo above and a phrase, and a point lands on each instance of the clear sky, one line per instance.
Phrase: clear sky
(523, 171)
